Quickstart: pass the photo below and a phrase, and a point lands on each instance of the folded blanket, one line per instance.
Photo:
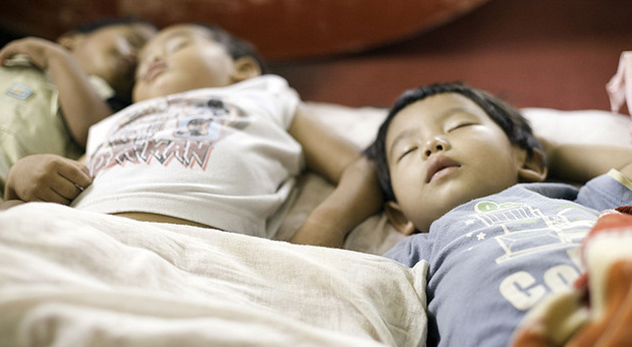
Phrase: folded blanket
(598, 310)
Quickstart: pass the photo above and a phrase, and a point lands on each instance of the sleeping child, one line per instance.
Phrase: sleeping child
(210, 142)
(463, 174)
(53, 92)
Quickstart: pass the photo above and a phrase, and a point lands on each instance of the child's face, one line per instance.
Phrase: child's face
(443, 151)
(110, 53)
(181, 58)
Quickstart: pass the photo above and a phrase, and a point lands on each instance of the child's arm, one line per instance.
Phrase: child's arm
(46, 177)
(80, 103)
(357, 195)
(582, 162)
(325, 153)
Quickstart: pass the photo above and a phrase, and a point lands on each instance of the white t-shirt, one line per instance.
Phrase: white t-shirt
(221, 157)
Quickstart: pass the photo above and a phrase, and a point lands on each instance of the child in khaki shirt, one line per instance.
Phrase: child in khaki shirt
(52, 92)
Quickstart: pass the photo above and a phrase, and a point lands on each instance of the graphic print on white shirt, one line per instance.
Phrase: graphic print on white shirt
(161, 132)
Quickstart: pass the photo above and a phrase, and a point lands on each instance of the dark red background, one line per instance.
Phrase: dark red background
(535, 53)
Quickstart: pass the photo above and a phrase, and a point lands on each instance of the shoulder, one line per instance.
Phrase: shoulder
(267, 83)
(410, 250)
(548, 189)
(25, 75)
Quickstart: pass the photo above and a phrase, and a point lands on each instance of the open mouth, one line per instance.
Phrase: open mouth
(439, 167)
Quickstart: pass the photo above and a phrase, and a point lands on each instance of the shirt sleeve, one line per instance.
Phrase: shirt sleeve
(410, 251)
(286, 98)
(606, 192)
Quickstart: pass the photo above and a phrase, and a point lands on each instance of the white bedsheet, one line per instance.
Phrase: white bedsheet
(74, 278)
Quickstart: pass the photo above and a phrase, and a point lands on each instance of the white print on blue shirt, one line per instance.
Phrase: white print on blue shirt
(525, 231)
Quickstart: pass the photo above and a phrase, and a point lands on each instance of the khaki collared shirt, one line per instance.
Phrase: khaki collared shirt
(31, 120)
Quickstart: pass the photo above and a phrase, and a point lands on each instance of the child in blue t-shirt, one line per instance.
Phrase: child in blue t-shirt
(463, 173)
(455, 160)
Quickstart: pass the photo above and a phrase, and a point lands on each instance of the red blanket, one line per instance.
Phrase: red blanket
(598, 310)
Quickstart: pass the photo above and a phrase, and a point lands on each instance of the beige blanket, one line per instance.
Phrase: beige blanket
(74, 278)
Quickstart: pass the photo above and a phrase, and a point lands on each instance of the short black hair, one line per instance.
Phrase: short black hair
(235, 46)
(117, 102)
(106, 22)
(512, 122)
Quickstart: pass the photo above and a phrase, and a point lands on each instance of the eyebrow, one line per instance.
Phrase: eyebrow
(164, 40)
(175, 34)
(400, 137)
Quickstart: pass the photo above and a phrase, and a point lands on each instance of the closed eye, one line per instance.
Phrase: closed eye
(461, 125)
(177, 44)
(406, 152)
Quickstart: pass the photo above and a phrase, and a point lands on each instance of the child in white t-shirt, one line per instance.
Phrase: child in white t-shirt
(209, 142)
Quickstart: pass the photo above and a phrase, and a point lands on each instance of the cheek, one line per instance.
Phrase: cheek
(138, 93)
(408, 190)
(204, 73)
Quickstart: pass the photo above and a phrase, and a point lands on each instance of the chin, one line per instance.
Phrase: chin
(152, 91)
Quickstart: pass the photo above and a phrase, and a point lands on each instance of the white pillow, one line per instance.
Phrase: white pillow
(585, 126)
(360, 125)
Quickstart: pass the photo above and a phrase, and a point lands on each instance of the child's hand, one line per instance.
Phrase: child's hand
(38, 50)
(48, 178)
(619, 87)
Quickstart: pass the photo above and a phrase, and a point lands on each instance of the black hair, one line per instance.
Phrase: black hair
(235, 46)
(116, 102)
(106, 22)
(514, 124)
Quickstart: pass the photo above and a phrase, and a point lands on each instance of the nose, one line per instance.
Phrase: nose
(146, 59)
(154, 57)
(435, 145)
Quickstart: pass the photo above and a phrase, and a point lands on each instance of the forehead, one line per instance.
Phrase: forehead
(177, 31)
(435, 108)
(432, 112)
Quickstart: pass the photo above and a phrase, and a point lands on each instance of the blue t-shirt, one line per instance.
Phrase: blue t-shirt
(494, 258)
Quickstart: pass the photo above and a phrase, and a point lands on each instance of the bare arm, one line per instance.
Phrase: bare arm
(582, 162)
(80, 103)
(357, 195)
(325, 153)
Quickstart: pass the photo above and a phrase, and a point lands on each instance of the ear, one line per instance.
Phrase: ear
(397, 218)
(245, 67)
(70, 40)
(534, 168)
